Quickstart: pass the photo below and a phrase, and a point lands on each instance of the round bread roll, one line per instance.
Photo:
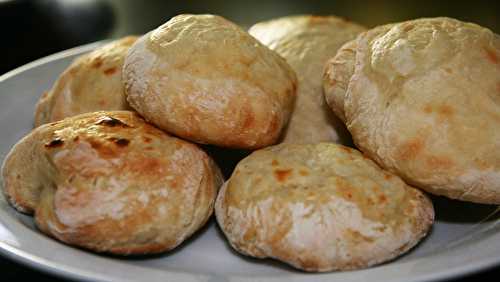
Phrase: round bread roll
(204, 79)
(307, 42)
(320, 207)
(337, 74)
(110, 182)
(91, 83)
(422, 98)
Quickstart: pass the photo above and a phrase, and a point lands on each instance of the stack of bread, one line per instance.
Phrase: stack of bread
(115, 164)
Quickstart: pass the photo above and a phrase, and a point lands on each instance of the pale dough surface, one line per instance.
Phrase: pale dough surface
(422, 98)
(110, 182)
(203, 78)
(320, 207)
(93, 82)
(307, 42)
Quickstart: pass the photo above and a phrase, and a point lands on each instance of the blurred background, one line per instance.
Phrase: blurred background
(35, 28)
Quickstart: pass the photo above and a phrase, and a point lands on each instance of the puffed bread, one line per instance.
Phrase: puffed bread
(337, 73)
(320, 207)
(93, 82)
(110, 182)
(422, 98)
(203, 78)
(307, 42)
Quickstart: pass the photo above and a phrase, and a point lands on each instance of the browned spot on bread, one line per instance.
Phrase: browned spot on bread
(95, 144)
(274, 124)
(249, 119)
(275, 163)
(410, 149)
(428, 109)
(247, 61)
(182, 64)
(179, 144)
(448, 70)
(282, 174)
(97, 63)
(196, 70)
(387, 176)
(309, 263)
(435, 162)
(103, 150)
(146, 139)
(303, 172)
(102, 102)
(481, 164)
(446, 110)
(111, 122)
(313, 20)
(332, 82)
(110, 71)
(121, 142)
(491, 55)
(54, 143)
(403, 248)
(76, 138)
(346, 149)
(52, 124)
(408, 27)
(250, 234)
(151, 130)
(409, 209)
(357, 237)
(294, 89)
(382, 198)
(146, 165)
(344, 188)
(370, 202)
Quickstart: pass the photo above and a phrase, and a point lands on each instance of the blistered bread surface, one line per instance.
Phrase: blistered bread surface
(203, 78)
(422, 98)
(93, 82)
(320, 207)
(110, 182)
(307, 42)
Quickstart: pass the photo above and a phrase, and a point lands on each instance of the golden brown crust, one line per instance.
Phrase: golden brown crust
(320, 207)
(203, 78)
(307, 42)
(91, 83)
(110, 182)
(424, 101)
(337, 73)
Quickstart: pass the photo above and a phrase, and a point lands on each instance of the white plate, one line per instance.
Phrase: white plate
(465, 238)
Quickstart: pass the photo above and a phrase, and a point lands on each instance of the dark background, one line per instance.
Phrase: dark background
(31, 29)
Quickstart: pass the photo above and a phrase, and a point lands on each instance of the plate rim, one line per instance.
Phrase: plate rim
(24, 257)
